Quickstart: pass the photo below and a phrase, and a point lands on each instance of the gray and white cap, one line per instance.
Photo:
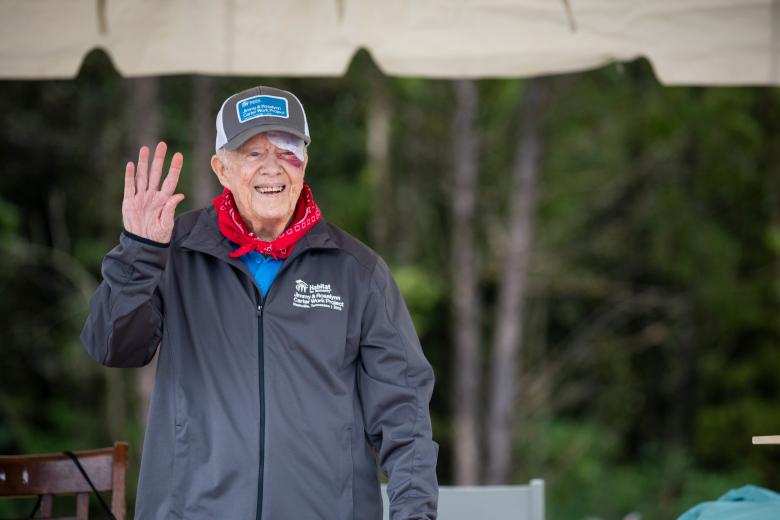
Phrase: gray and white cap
(259, 109)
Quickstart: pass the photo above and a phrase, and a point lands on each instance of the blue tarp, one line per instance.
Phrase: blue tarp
(745, 503)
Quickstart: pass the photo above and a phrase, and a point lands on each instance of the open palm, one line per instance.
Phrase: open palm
(146, 210)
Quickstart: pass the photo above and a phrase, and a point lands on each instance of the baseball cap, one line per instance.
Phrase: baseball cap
(259, 109)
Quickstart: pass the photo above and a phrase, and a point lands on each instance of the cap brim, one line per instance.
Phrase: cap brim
(247, 134)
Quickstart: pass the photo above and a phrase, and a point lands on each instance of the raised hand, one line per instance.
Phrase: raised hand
(146, 210)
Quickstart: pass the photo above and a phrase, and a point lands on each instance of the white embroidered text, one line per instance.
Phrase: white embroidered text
(313, 295)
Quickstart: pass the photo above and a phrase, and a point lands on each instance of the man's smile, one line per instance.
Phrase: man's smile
(270, 190)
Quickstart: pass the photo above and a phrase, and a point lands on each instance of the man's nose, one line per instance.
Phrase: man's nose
(270, 164)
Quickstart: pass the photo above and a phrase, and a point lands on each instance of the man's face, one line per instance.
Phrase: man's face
(265, 180)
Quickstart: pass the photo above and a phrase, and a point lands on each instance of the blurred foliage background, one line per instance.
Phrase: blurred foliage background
(650, 347)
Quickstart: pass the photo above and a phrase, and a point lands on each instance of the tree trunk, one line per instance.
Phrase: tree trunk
(144, 129)
(143, 114)
(204, 183)
(465, 269)
(512, 288)
(378, 151)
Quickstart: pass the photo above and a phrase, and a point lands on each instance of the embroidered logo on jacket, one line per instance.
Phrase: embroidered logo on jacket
(311, 295)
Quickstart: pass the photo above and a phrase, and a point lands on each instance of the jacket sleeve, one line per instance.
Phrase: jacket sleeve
(395, 382)
(124, 326)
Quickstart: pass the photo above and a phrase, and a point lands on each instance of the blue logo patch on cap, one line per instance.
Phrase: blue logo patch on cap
(261, 106)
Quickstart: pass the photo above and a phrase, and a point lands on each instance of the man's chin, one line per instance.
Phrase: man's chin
(271, 216)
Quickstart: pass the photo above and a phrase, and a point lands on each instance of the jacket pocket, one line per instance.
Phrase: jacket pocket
(179, 469)
(346, 475)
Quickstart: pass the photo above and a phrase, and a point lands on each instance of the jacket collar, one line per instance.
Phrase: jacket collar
(206, 237)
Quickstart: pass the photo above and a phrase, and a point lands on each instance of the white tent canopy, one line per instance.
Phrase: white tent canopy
(716, 42)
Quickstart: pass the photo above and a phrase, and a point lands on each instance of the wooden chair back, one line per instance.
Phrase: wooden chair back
(56, 474)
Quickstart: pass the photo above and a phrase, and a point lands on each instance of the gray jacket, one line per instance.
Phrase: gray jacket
(274, 409)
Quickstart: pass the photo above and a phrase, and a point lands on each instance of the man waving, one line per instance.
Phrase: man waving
(289, 367)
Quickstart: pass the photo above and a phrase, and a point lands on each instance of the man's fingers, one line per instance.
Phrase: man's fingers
(129, 180)
(169, 209)
(157, 165)
(169, 184)
(143, 166)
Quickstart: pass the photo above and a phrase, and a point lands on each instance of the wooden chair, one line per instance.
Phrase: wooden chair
(493, 502)
(56, 474)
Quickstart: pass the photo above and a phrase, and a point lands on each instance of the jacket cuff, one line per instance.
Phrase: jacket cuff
(136, 252)
(415, 508)
(145, 240)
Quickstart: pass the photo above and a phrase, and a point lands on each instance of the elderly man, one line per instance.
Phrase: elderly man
(288, 366)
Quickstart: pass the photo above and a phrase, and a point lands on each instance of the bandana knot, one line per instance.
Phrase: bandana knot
(232, 226)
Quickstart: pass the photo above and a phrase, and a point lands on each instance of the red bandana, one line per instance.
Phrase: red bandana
(307, 213)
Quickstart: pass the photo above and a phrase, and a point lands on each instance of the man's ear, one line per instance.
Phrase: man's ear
(218, 167)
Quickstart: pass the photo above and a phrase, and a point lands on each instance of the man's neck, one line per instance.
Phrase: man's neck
(269, 231)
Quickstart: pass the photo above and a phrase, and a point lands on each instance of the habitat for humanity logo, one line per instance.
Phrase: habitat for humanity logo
(312, 295)
(261, 106)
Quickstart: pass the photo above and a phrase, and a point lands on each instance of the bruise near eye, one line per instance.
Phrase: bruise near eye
(291, 159)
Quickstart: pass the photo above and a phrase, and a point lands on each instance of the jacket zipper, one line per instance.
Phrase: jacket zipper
(260, 358)
(261, 366)
(261, 379)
